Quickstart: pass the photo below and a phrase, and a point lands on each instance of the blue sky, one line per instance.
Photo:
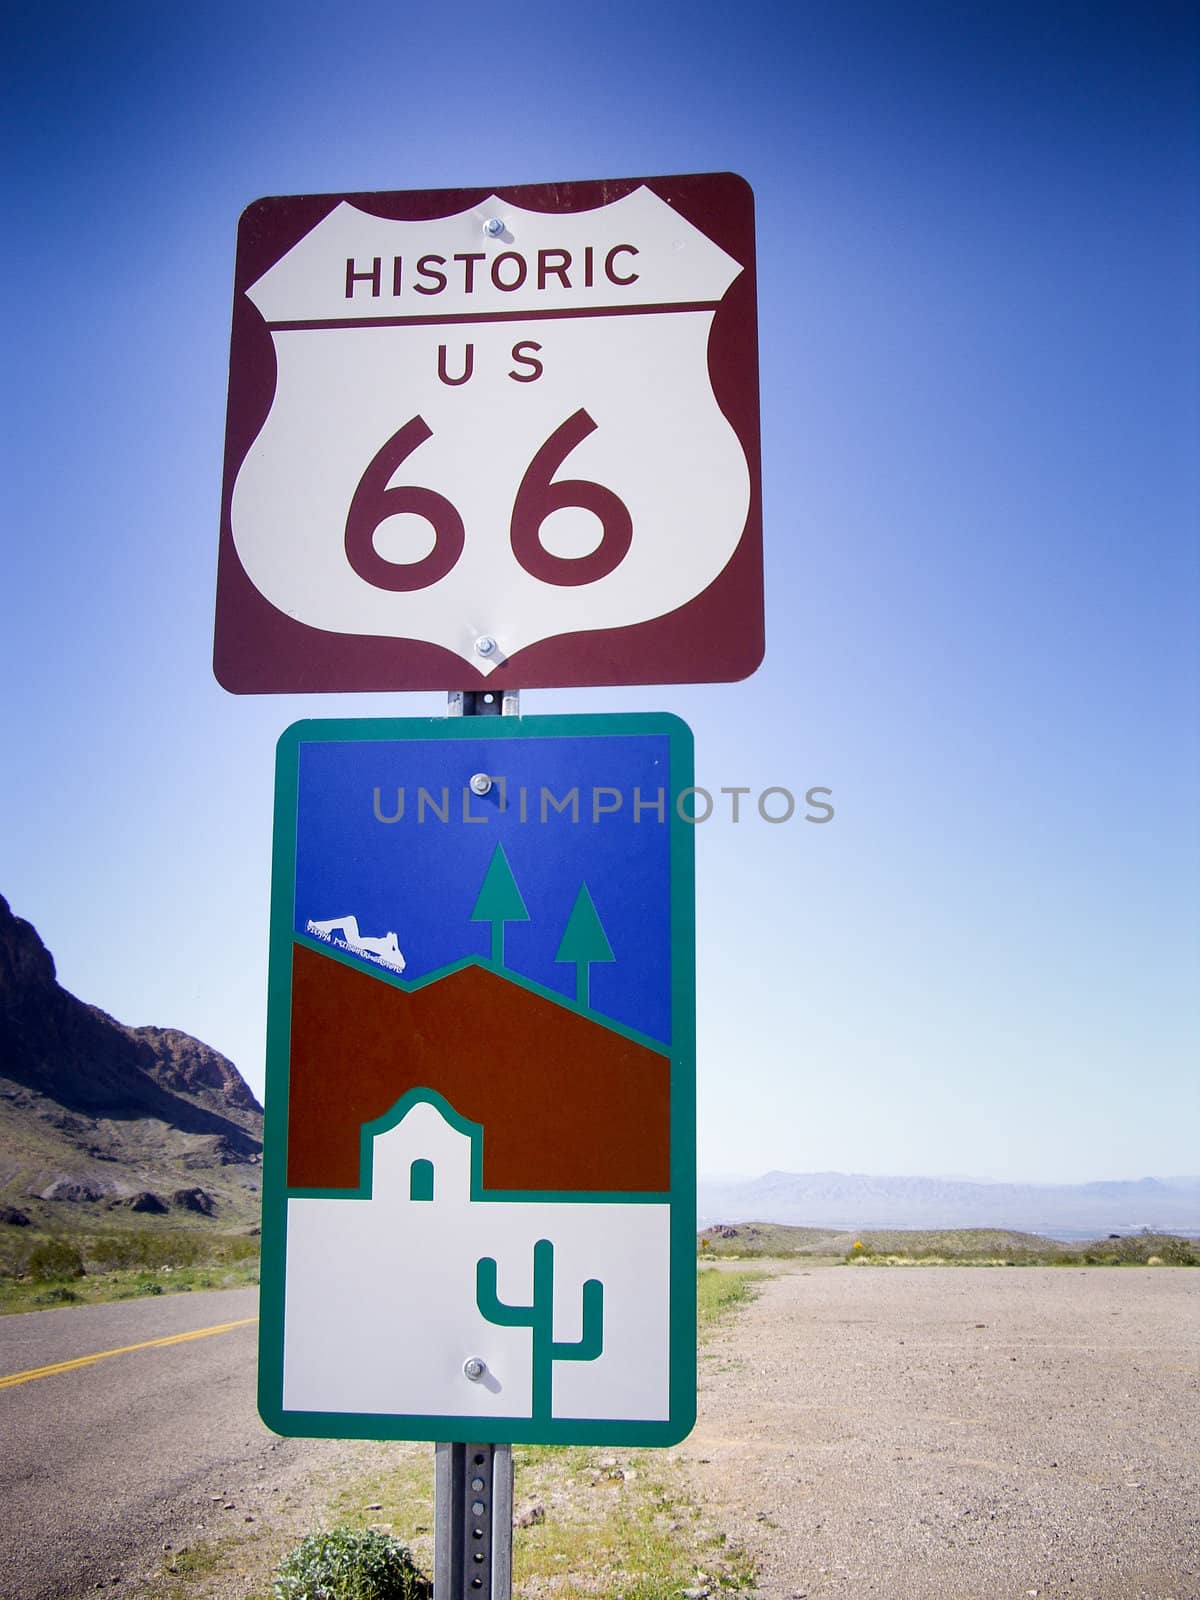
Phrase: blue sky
(977, 245)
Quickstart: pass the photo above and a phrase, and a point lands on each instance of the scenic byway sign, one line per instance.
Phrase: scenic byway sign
(479, 1185)
(494, 439)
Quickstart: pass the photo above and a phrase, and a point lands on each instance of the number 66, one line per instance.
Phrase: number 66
(538, 496)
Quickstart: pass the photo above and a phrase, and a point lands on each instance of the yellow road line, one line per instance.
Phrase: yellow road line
(103, 1355)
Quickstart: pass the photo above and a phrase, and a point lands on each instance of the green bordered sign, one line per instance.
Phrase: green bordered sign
(479, 1198)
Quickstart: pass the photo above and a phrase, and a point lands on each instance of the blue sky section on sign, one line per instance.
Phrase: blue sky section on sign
(419, 876)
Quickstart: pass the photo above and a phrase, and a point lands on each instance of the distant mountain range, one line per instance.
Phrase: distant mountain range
(840, 1200)
(96, 1116)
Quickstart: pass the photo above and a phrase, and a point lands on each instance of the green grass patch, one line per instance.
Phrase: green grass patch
(189, 1571)
(608, 1525)
(719, 1292)
(194, 1561)
(41, 1269)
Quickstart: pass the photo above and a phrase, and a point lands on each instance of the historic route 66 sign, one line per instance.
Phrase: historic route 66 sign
(493, 438)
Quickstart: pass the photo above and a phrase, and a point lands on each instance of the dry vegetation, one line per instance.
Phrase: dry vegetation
(999, 1247)
(39, 1269)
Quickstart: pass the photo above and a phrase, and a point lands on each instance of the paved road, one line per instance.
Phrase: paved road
(957, 1433)
(104, 1464)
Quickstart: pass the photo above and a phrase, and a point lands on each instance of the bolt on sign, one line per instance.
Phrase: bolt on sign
(479, 1187)
(493, 439)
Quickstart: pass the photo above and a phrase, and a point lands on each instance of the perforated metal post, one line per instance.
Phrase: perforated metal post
(472, 1557)
(472, 1486)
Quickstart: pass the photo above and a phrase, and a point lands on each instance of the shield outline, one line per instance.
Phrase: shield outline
(716, 637)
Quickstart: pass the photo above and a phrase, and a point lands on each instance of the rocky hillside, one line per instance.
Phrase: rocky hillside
(96, 1116)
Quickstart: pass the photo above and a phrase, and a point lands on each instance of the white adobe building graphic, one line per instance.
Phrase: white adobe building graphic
(565, 1300)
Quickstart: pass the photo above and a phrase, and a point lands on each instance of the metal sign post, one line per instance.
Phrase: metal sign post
(473, 1483)
(472, 1550)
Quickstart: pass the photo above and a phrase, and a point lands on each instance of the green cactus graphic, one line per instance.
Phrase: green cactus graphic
(540, 1317)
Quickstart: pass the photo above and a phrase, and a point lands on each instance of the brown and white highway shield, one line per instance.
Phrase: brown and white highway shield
(485, 438)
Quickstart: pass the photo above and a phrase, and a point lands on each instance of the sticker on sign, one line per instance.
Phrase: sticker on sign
(493, 437)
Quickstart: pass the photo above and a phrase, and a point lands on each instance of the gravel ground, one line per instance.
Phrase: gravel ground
(959, 1433)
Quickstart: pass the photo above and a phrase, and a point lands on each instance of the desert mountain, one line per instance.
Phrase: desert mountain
(95, 1113)
(856, 1201)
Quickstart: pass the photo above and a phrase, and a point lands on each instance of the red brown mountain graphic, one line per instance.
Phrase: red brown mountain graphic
(565, 1103)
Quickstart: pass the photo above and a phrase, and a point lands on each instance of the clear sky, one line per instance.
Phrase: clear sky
(977, 247)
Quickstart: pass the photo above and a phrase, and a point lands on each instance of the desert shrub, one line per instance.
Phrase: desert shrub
(1180, 1252)
(149, 1249)
(349, 1564)
(14, 1253)
(238, 1247)
(54, 1258)
(1139, 1249)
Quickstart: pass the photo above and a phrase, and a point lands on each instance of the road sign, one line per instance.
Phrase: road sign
(479, 1186)
(494, 439)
